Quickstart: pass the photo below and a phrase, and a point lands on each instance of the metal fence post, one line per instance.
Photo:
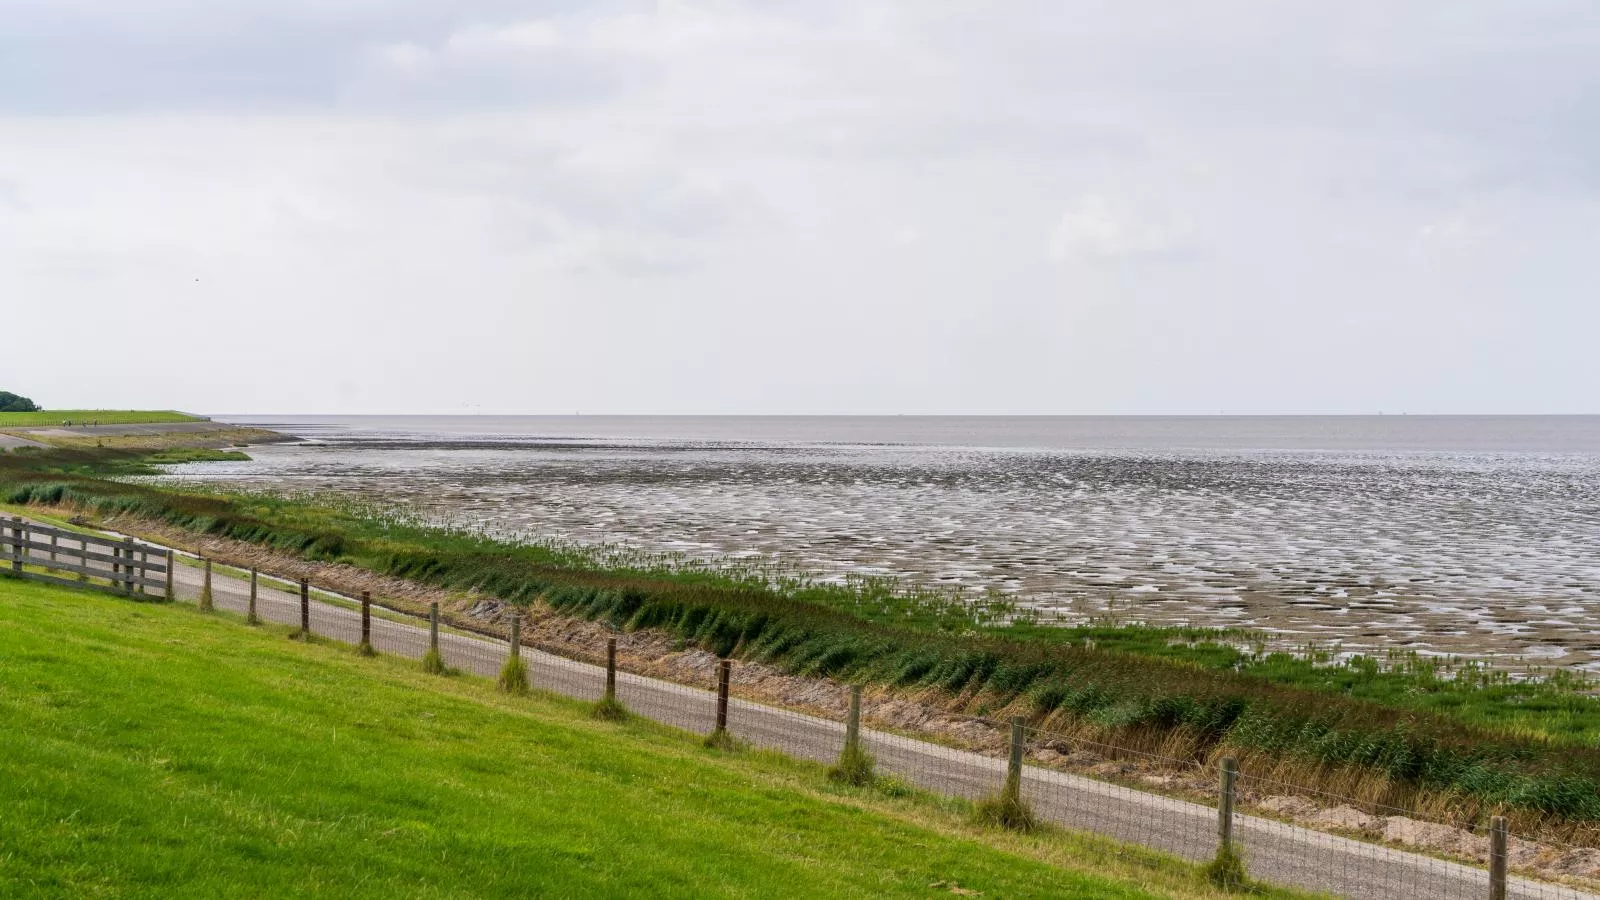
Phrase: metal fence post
(170, 561)
(305, 608)
(611, 670)
(1230, 775)
(724, 673)
(205, 588)
(1497, 858)
(366, 622)
(251, 616)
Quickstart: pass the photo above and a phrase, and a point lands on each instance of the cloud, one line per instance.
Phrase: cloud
(1100, 229)
(871, 176)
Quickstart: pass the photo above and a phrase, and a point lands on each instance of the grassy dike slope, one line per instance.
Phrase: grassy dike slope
(156, 749)
(45, 418)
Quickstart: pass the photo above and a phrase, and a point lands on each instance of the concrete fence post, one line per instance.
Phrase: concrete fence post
(205, 589)
(170, 561)
(1497, 858)
(250, 615)
(305, 608)
(1230, 777)
(366, 623)
(611, 670)
(724, 675)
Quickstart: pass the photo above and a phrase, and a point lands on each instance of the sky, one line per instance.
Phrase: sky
(801, 206)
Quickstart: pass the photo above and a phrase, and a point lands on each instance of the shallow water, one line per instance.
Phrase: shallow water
(1471, 535)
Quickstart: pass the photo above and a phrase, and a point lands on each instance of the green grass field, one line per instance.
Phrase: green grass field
(103, 416)
(151, 749)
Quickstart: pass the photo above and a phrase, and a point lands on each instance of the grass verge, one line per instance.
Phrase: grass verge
(149, 749)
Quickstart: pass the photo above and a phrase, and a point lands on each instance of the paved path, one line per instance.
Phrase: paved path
(1275, 852)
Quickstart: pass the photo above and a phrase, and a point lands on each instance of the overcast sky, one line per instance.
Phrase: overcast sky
(1250, 206)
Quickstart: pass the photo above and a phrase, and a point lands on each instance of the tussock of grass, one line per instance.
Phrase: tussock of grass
(720, 739)
(610, 709)
(855, 766)
(513, 677)
(1227, 870)
(1006, 810)
(433, 663)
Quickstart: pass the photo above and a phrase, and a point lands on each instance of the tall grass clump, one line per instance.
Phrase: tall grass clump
(856, 767)
(513, 676)
(432, 662)
(610, 709)
(1006, 809)
(1226, 870)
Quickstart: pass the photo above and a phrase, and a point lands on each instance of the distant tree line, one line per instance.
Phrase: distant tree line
(10, 402)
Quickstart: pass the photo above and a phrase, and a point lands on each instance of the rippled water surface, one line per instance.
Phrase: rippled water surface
(1477, 535)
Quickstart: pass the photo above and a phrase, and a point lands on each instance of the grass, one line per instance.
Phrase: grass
(178, 455)
(855, 765)
(1446, 737)
(150, 750)
(1006, 810)
(48, 417)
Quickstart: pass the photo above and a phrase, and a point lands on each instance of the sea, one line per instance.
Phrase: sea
(1476, 536)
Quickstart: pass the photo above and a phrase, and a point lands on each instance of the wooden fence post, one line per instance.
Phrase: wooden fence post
(144, 567)
(1014, 760)
(250, 617)
(16, 545)
(305, 609)
(724, 674)
(1497, 858)
(129, 571)
(611, 670)
(1230, 776)
(54, 540)
(170, 561)
(205, 588)
(432, 662)
(852, 722)
(366, 624)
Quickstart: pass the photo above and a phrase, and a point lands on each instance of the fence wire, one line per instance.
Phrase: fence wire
(1182, 821)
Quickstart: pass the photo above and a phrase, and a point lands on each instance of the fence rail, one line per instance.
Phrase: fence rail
(35, 551)
(1190, 824)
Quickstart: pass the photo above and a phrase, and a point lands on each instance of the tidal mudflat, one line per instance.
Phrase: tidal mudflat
(1378, 543)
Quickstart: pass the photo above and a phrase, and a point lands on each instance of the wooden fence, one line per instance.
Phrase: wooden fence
(125, 566)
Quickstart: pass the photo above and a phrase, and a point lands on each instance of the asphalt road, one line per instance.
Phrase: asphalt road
(1275, 852)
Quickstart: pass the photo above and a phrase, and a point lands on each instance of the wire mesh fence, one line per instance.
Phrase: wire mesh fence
(1065, 780)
